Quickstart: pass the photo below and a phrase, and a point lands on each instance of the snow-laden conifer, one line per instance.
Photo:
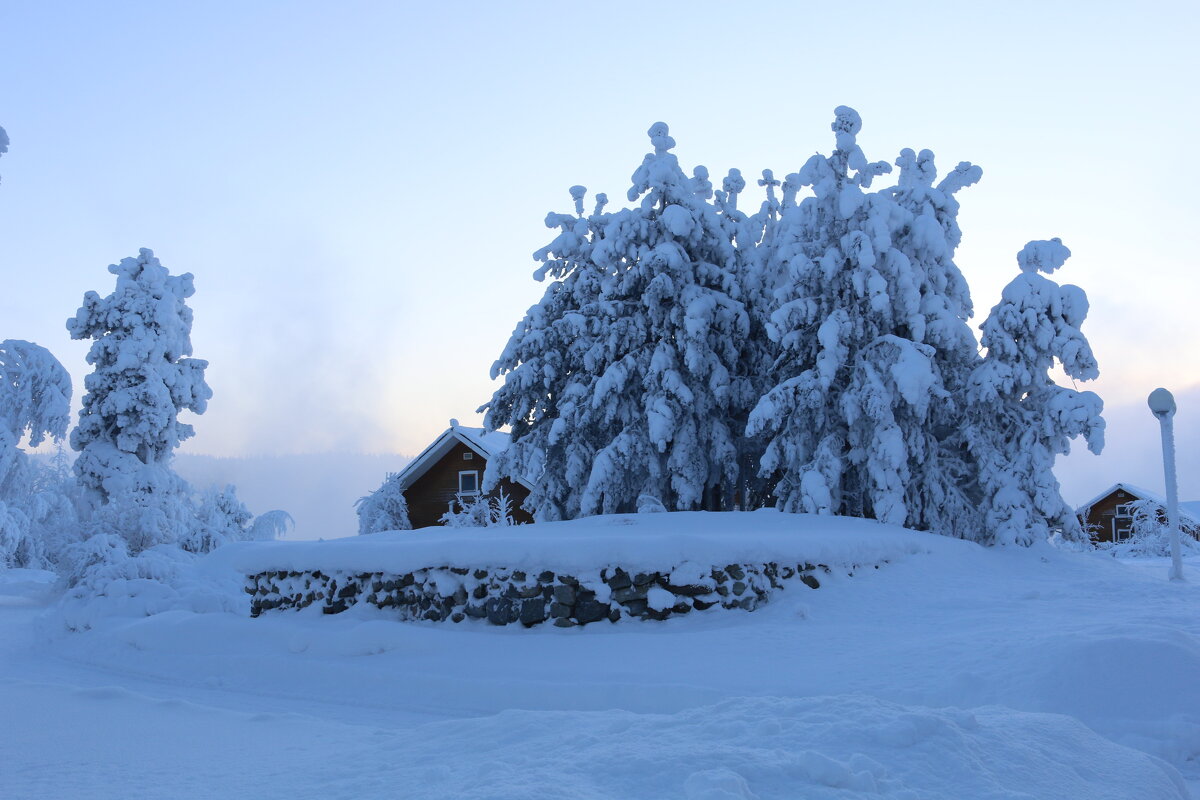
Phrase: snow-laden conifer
(1019, 419)
(35, 397)
(870, 319)
(384, 509)
(143, 376)
(621, 381)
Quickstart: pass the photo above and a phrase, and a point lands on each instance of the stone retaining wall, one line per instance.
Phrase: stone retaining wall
(506, 596)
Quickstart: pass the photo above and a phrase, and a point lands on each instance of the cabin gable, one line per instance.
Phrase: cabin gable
(452, 478)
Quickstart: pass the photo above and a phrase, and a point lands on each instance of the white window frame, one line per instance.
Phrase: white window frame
(1121, 514)
(468, 455)
(465, 492)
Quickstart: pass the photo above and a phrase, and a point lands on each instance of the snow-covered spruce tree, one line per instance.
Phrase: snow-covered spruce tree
(871, 323)
(384, 509)
(620, 382)
(1019, 420)
(35, 398)
(143, 378)
(547, 367)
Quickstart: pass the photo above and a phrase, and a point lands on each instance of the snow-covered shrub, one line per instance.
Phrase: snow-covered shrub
(105, 581)
(384, 509)
(1150, 534)
(220, 517)
(480, 512)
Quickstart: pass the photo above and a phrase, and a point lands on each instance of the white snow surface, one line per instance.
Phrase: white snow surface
(632, 541)
(953, 671)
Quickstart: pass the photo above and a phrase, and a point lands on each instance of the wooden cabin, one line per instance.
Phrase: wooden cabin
(449, 472)
(1108, 517)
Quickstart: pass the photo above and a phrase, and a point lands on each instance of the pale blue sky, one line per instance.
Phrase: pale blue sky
(358, 186)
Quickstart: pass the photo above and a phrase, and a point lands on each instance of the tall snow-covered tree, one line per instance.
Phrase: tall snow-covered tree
(143, 378)
(1019, 419)
(869, 320)
(621, 382)
(143, 375)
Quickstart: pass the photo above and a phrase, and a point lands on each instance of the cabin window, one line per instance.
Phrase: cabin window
(468, 456)
(468, 482)
(1122, 523)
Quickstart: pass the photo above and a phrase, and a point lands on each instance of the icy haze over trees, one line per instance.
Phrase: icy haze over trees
(816, 354)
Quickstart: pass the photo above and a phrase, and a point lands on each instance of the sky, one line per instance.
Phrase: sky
(358, 187)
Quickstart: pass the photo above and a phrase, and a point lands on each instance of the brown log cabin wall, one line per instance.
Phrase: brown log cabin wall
(431, 494)
(1099, 519)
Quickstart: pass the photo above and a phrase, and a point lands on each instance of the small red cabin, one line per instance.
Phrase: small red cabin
(449, 472)
(1108, 517)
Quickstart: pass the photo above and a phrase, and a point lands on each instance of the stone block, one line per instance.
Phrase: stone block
(590, 610)
(533, 612)
(500, 611)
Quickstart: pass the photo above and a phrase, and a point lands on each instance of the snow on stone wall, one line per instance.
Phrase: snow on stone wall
(505, 596)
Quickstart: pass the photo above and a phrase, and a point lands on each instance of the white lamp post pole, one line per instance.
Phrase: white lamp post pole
(1162, 404)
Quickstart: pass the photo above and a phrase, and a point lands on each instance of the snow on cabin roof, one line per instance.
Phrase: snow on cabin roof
(1189, 509)
(485, 443)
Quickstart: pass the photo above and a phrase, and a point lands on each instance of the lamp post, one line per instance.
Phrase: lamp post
(1162, 405)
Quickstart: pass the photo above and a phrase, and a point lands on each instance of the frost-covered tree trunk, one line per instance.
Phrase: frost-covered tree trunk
(871, 324)
(1019, 419)
(624, 380)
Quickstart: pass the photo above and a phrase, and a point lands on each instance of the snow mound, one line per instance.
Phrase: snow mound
(632, 541)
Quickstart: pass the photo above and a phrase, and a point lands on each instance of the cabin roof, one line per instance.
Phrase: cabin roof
(1189, 509)
(486, 443)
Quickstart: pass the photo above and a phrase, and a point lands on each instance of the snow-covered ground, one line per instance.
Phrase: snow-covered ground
(952, 672)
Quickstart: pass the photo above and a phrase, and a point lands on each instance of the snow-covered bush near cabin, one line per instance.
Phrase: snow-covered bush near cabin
(384, 509)
(480, 512)
(1150, 534)
(840, 319)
